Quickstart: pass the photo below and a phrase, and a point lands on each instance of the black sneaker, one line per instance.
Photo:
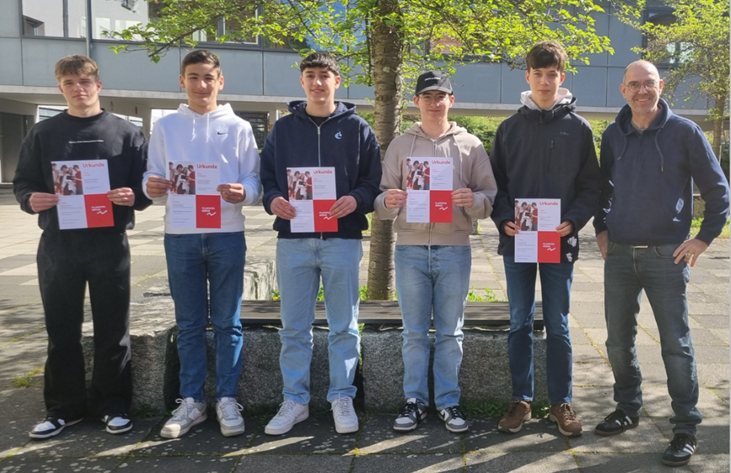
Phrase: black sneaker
(50, 427)
(453, 419)
(117, 423)
(680, 450)
(616, 423)
(413, 412)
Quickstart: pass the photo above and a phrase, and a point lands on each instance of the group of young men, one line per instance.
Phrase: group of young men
(641, 201)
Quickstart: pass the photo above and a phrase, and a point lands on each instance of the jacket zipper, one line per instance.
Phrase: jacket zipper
(319, 160)
(550, 156)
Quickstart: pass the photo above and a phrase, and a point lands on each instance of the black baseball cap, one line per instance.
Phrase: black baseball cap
(433, 80)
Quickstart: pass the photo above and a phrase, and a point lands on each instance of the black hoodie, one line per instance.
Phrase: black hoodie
(546, 154)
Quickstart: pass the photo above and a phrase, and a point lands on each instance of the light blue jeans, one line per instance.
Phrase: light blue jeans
(627, 272)
(197, 263)
(556, 279)
(435, 277)
(300, 264)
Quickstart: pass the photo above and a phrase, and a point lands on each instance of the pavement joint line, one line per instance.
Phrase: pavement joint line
(591, 340)
(20, 339)
(713, 390)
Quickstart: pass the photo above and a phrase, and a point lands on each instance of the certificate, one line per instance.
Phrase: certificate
(429, 188)
(194, 200)
(81, 187)
(312, 193)
(537, 241)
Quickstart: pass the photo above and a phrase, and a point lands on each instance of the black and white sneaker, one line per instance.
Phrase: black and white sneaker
(50, 427)
(680, 450)
(616, 423)
(453, 419)
(117, 423)
(413, 412)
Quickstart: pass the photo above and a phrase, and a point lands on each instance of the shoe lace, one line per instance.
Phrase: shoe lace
(408, 409)
(616, 416)
(454, 412)
(513, 409)
(567, 411)
(285, 409)
(681, 440)
(231, 408)
(181, 412)
(342, 407)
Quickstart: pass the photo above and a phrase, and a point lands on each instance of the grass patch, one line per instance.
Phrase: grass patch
(695, 227)
(27, 380)
(489, 296)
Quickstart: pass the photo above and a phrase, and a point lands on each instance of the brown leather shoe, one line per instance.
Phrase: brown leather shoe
(565, 417)
(512, 421)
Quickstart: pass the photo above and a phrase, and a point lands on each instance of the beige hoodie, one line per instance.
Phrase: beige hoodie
(472, 170)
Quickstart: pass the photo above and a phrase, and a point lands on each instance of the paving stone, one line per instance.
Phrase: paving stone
(59, 464)
(88, 439)
(192, 463)
(378, 437)
(537, 435)
(203, 439)
(436, 463)
(296, 464)
(714, 375)
(636, 463)
(314, 435)
(543, 462)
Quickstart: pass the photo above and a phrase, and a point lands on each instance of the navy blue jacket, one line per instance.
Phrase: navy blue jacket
(546, 154)
(647, 196)
(344, 141)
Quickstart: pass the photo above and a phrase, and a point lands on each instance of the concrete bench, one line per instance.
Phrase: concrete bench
(484, 376)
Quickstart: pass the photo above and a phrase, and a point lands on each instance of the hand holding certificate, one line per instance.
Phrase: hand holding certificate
(82, 190)
(536, 227)
(429, 188)
(312, 196)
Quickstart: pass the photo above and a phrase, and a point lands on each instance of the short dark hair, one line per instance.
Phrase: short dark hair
(546, 54)
(200, 56)
(320, 60)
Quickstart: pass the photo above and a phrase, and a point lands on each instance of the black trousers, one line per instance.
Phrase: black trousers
(67, 261)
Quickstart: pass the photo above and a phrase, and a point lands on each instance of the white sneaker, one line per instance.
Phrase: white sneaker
(188, 415)
(228, 412)
(346, 422)
(289, 414)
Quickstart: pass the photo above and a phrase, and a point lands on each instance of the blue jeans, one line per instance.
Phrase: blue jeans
(197, 263)
(628, 271)
(300, 264)
(556, 281)
(437, 277)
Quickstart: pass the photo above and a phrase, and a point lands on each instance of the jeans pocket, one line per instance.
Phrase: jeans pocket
(665, 251)
(610, 247)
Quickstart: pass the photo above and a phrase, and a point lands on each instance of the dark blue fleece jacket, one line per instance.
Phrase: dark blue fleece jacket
(344, 141)
(546, 154)
(647, 196)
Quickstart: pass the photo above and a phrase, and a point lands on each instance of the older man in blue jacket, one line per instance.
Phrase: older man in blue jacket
(650, 159)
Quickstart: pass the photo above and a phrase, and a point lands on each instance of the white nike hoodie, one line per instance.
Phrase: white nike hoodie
(215, 137)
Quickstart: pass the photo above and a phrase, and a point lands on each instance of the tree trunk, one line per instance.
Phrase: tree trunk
(718, 126)
(387, 54)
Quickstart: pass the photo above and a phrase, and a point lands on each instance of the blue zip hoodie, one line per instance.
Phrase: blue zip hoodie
(647, 196)
(344, 141)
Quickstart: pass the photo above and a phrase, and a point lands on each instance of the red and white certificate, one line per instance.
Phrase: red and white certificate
(429, 189)
(194, 200)
(81, 187)
(312, 193)
(538, 241)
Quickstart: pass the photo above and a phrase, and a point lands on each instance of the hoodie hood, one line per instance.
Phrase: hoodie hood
(564, 96)
(223, 111)
(297, 107)
(564, 105)
(624, 125)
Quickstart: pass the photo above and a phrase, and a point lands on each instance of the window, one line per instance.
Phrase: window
(56, 18)
(118, 15)
(677, 51)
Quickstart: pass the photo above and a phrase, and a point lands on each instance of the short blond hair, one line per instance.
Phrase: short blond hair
(76, 64)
